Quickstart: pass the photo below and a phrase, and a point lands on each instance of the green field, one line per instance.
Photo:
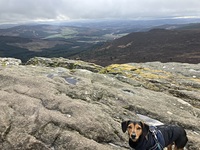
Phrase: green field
(65, 33)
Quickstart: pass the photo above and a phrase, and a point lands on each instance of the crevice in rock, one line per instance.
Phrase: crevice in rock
(5, 133)
(54, 141)
(195, 102)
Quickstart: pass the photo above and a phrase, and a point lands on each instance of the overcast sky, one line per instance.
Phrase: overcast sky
(49, 10)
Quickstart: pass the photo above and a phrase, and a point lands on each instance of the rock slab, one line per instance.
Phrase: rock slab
(45, 107)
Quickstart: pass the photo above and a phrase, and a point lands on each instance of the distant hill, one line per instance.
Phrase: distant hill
(180, 45)
(26, 41)
(104, 42)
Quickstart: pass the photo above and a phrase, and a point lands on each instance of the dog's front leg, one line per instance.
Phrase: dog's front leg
(175, 148)
(169, 147)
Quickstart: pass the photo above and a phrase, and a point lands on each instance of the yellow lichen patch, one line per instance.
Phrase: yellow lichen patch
(155, 74)
(133, 71)
(118, 68)
(196, 79)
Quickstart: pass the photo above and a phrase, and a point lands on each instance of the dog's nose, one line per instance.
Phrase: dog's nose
(133, 136)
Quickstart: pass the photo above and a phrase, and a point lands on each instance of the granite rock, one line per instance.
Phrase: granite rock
(63, 108)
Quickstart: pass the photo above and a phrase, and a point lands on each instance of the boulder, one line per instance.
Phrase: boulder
(62, 62)
(9, 61)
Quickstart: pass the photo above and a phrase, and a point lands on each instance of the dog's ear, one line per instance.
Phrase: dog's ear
(145, 128)
(124, 125)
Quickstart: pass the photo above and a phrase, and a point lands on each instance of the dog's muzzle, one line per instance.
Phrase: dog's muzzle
(133, 136)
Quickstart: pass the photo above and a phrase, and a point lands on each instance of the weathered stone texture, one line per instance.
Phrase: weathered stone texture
(64, 108)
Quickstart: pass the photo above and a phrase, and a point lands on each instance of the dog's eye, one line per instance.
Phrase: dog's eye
(129, 127)
(138, 128)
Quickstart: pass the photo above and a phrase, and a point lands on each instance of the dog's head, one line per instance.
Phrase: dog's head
(135, 129)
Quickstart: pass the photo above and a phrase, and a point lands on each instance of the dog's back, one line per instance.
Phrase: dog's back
(173, 134)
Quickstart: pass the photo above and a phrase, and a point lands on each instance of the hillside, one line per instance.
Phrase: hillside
(104, 42)
(27, 41)
(181, 45)
(62, 104)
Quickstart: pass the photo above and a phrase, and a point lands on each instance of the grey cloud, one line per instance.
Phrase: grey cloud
(26, 10)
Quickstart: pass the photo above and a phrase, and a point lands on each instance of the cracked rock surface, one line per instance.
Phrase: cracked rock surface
(60, 108)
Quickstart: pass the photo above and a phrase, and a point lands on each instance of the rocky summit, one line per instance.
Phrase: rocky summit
(61, 104)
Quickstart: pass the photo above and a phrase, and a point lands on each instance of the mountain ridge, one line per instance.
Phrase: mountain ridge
(155, 45)
(100, 43)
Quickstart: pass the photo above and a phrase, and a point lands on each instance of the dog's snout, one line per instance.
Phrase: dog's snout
(133, 135)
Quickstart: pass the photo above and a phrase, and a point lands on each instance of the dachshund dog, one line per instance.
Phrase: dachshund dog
(145, 137)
